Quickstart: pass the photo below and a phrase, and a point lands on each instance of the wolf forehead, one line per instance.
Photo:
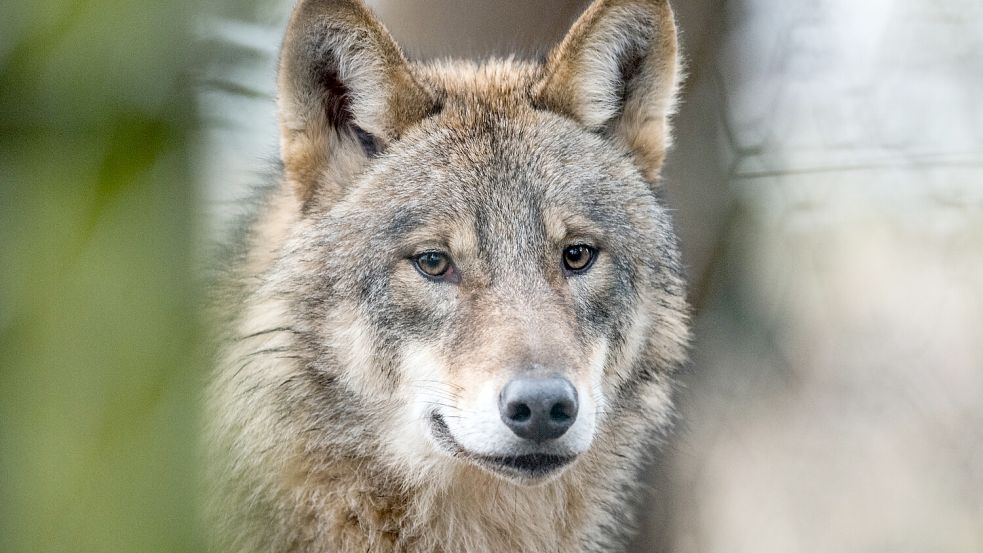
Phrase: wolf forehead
(490, 158)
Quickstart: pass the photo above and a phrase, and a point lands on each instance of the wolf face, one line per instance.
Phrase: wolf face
(467, 267)
(479, 251)
(482, 253)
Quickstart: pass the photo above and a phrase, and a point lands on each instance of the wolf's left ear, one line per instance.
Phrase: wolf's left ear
(616, 72)
(344, 91)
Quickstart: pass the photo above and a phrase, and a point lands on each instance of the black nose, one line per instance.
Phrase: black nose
(538, 408)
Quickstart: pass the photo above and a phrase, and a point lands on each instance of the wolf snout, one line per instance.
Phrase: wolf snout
(538, 408)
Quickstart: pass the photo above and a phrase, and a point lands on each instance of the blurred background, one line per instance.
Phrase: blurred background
(827, 182)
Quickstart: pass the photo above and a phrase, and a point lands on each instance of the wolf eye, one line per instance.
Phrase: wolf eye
(578, 258)
(433, 264)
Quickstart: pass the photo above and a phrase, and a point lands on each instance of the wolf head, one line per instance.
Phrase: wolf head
(479, 271)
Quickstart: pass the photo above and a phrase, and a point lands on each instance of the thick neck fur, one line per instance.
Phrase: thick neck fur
(363, 509)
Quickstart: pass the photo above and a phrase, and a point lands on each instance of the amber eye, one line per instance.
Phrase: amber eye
(433, 264)
(578, 258)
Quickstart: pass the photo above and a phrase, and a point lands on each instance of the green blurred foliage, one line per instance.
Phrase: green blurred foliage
(100, 344)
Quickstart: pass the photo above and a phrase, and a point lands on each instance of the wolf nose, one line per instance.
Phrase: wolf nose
(538, 408)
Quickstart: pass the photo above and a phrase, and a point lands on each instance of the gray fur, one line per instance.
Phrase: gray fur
(312, 445)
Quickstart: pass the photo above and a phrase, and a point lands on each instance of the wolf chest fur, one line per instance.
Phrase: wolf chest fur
(453, 319)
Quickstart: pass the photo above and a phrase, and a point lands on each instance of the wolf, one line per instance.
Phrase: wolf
(454, 317)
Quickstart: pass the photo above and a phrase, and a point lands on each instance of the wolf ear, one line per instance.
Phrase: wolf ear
(344, 91)
(616, 72)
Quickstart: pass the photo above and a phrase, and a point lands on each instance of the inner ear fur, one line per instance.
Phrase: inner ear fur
(616, 72)
(345, 91)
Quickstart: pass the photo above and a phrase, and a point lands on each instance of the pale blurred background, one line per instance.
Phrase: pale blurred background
(827, 180)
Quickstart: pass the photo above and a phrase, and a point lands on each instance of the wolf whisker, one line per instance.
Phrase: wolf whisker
(452, 407)
(279, 349)
(268, 331)
(449, 384)
(440, 394)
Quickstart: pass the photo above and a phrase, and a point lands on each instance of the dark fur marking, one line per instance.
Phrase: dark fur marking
(333, 92)
(336, 99)
(402, 223)
(438, 105)
(370, 146)
(628, 66)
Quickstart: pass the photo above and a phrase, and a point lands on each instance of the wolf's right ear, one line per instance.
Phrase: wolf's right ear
(616, 72)
(344, 91)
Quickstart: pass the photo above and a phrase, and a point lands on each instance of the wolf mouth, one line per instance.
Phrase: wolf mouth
(531, 466)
